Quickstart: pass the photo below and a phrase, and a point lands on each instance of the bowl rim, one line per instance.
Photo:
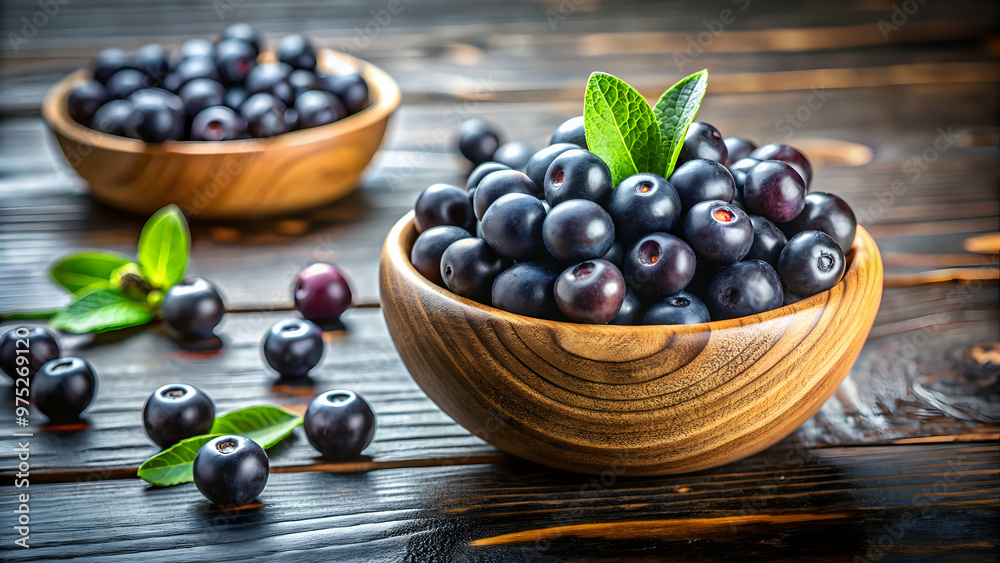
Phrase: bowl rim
(383, 91)
(864, 256)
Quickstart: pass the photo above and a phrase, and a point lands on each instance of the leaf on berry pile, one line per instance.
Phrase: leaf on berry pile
(100, 311)
(87, 270)
(675, 112)
(267, 425)
(163, 248)
(621, 128)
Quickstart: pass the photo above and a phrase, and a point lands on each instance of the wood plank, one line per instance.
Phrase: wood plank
(916, 502)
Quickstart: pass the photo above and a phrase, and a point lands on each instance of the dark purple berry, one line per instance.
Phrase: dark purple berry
(112, 118)
(202, 93)
(743, 289)
(477, 141)
(317, 107)
(273, 79)
(63, 388)
(443, 204)
(720, 233)
(124, 83)
(590, 292)
(513, 227)
(351, 88)
(577, 230)
(577, 174)
(244, 32)
(631, 311)
(304, 81)
(234, 59)
(515, 154)
(108, 62)
(176, 412)
(738, 148)
(571, 131)
(296, 51)
(527, 288)
(193, 308)
(659, 264)
(616, 255)
(739, 170)
(482, 171)
(643, 204)
(774, 190)
(197, 47)
(702, 180)
(789, 155)
(828, 213)
(293, 347)
(217, 123)
(498, 184)
(703, 141)
(339, 424)
(24, 350)
(680, 309)
(230, 471)
(153, 60)
(264, 115)
(322, 292)
(235, 97)
(157, 116)
(469, 266)
(811, 262)
(189, 69)
(539, 162)
(430, 245)
(86, 99)
(768, 240)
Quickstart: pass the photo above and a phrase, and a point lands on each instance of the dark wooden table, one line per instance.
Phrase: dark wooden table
(899, 111)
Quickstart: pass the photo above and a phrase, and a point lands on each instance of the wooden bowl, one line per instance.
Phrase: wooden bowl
(228, 179)
(643, 400)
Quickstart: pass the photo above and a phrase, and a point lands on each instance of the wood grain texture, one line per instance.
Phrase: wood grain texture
(232, 179)
(653, 400)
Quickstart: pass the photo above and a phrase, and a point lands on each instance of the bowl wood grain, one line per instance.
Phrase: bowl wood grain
(645, 400)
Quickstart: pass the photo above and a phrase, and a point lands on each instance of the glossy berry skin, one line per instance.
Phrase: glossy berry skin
(235, 97)
(577, 174)
(339, 424)
(768, 240)
(201, 93)
(231, 471)
(38, 344)
(577, 230)
(244, 32)
(189, 69)
(774, 190)
(124, 83)
(642, 204)
(193, 308)
(513, 227)
(789, 155)
(631, 311)
(317, 107)
(616, 254)
(590, 292)
(304, 81)
(350, 87)
(738, 148)
(739, 170)
(828, 213)
(430, 245)
(175, 412)
(197, 47)
(704, 141)
(264, 115)
(444, 204)
(108, 62)
(86, 99)
(477, 141)
(157, 116)
(720, 233)
(515, 154)
(571, 131)
(702, 180)
(659, 264)
(322, 292)
(528, 289)
(152, 59)
(234, 59)
(273, 79)
(293, 347)
(498, 184)
(811, 262)
(292, 119)
(296, 51)
(743, 289)
(482, 171)
(112, 118)
(63, 388)
(680, 309)
(469, 266)
(539, 162)
(217, 123)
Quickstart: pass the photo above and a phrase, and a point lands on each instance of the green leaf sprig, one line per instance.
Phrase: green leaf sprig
(632, 137)
(113, 291)
(266, 425)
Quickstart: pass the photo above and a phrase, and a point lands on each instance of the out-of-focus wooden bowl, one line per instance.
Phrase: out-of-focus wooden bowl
(229, 179)
(645, 400)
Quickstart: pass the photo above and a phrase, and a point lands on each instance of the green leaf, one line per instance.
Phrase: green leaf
(163, 248)
(266, 425)
(621, 128)
(100, 311)
(674, 113)
(87, 270)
